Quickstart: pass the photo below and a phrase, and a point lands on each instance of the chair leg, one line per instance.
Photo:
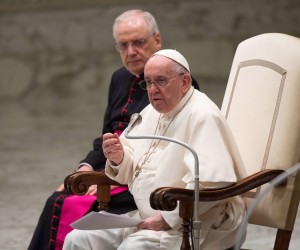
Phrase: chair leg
(103, 197)
(282, 240)
(185, 245)
(186, 214)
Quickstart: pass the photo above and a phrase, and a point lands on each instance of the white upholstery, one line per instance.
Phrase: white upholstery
(262, 106)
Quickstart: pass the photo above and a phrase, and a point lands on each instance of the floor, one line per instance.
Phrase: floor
(38, 148)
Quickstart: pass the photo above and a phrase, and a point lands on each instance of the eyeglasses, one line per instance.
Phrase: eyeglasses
(159, 81)
(137, 44)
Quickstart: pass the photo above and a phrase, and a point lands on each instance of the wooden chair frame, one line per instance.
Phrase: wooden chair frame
(166, 198)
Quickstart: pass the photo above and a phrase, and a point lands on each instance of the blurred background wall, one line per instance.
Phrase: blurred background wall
(56, 60)
(52, 50)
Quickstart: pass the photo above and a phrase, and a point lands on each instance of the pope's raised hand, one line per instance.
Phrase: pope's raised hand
(112, 148)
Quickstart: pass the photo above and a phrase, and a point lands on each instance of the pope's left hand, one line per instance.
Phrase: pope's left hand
(155, 222)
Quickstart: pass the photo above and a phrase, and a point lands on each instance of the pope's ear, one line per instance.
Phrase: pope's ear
(187, 81)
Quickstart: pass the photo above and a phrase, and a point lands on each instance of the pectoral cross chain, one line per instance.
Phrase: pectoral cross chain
(137, 173)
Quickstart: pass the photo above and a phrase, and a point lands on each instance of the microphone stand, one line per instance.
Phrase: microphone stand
(196, 221)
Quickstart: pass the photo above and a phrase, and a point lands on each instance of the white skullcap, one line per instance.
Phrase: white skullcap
(175, 56)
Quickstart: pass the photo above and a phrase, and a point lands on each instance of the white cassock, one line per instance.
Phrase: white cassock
(150, 164)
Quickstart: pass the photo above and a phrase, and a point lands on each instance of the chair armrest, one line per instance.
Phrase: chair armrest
(166, 198)
(79, 182)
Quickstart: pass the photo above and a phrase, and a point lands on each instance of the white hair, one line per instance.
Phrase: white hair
(148, 17)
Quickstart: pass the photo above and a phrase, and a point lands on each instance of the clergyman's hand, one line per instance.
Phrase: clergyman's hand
(61, 188)
(92, 190)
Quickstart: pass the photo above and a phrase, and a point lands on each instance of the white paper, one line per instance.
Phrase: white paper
(104, 220)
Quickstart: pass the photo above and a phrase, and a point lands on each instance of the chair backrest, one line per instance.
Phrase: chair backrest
(262, 106)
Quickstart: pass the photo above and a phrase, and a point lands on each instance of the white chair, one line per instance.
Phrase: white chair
(262, 106)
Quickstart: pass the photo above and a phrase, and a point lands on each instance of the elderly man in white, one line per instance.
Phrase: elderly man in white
(178, 111)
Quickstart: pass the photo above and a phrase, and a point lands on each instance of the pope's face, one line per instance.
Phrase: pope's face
(165, 98)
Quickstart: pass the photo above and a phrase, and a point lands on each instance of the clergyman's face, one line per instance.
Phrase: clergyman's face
(137, 42)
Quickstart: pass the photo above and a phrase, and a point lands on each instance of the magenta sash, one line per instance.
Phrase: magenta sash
(73, 208)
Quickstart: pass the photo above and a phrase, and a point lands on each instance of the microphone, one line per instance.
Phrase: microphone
(196, 222)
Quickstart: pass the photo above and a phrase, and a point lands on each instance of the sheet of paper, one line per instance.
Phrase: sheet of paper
(104, 220)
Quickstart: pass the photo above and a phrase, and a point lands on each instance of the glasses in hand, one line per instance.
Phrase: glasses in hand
(159, 81)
